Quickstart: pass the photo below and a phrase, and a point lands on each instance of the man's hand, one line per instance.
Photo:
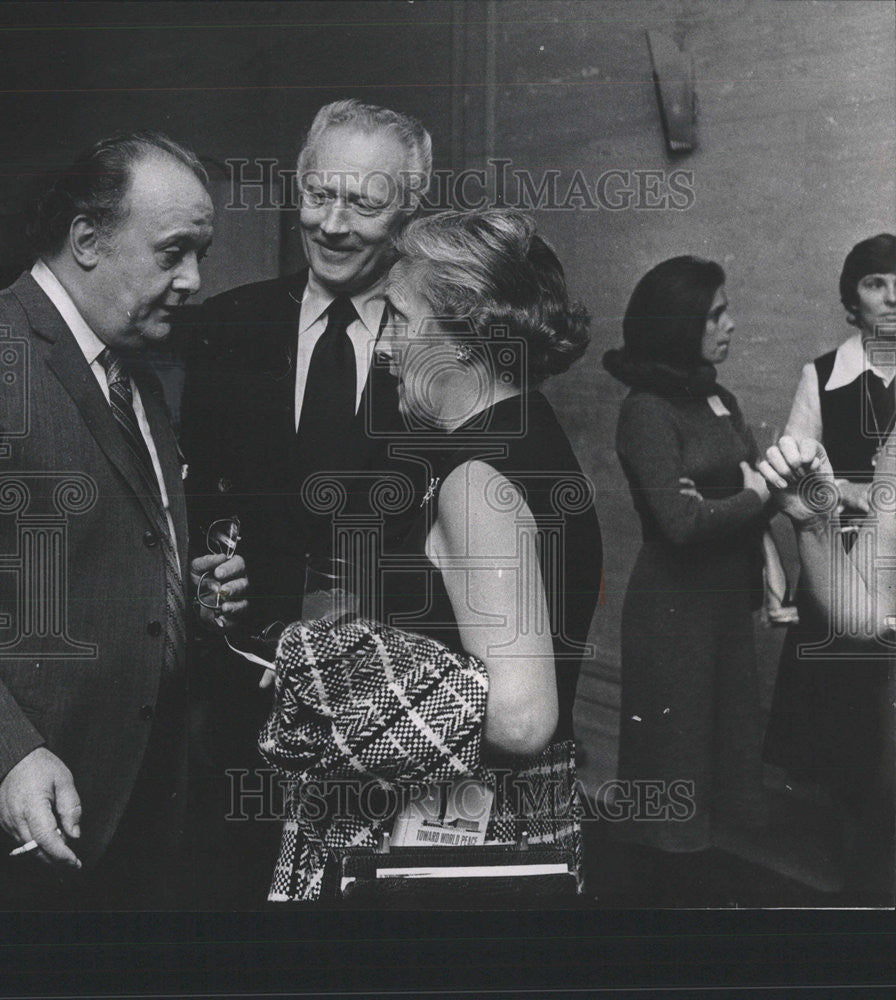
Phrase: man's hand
(786, 468)
(224, 584)
(38, 801)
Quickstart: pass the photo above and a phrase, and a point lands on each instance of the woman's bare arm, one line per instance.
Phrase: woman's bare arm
(483, 543)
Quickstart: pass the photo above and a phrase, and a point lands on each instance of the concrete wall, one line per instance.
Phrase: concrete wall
(794, 165)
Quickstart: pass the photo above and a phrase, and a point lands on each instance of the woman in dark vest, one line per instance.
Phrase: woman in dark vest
(825, 721)
(839, 587)
(690, 721)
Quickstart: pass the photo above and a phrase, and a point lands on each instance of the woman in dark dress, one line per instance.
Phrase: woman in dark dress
(501, 557)
(690, 706)
(507, 536)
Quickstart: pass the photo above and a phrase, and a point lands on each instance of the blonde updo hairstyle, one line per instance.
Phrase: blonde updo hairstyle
(491, 268)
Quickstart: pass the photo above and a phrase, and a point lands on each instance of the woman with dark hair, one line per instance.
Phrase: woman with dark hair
(690, 708)
(845, 397)
(825, 724)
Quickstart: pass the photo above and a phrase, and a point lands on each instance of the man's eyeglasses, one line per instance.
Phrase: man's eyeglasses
(220, 539)
(318, 198)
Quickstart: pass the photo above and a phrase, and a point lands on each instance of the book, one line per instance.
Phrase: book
(446, 814)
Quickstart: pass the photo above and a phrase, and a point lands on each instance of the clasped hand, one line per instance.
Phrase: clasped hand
(227, 583)
(785, 468)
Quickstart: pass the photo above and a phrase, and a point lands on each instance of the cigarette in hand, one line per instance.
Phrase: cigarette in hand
(29, 845)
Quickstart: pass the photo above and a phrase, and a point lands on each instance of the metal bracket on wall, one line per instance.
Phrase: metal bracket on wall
(673, 74)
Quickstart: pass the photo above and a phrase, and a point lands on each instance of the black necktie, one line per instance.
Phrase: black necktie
(328, 406)
(121, 400)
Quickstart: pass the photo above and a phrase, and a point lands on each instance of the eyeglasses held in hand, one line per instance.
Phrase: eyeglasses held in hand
(220, 539)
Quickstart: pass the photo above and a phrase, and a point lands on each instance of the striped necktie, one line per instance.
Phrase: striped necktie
(121, 400)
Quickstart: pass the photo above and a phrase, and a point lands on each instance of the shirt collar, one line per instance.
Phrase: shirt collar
(850, 361)
(88, 341)
(368, 304)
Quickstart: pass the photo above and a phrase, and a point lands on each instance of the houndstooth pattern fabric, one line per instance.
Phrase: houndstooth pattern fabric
(386, 708)
(364, 699)
(540, 797)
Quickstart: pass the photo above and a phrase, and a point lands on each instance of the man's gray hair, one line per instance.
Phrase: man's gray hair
(371, 118)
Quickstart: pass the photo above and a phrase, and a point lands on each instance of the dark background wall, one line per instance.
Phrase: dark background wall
(797, 138)
(233, 80)
(794, 165)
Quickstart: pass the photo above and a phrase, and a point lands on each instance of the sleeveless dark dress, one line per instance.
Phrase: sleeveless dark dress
(521, 438)
(828, 721)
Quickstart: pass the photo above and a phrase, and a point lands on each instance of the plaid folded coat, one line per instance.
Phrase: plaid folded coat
(362, 711)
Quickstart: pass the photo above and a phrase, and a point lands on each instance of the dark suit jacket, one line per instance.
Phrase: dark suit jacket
(240, 437)
(82, 578)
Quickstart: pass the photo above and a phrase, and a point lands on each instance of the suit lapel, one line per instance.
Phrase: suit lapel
(283, 324)
(65, 359)
(379, 407)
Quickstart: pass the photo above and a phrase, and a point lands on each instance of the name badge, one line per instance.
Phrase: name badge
(718, 407)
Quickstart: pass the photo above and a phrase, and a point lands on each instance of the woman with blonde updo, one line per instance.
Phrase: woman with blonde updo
(482, 319)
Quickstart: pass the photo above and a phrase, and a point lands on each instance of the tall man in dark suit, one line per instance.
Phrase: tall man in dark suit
(93, 536)
(283, 385)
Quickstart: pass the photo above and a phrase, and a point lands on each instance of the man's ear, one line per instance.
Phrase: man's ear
(84, 241)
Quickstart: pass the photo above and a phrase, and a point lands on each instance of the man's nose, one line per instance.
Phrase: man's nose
(188, 280)
(335, 218)
(890, 289)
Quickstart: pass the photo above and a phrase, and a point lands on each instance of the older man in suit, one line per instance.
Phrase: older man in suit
(283, 384)
(93, 536)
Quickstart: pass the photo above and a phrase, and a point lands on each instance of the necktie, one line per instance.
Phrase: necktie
(328, 406)
(121, 400)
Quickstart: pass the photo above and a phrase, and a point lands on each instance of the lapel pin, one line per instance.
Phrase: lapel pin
(430, 491)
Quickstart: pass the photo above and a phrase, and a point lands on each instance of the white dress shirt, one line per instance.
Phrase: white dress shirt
(362, 332)
(92, 347)
(850, 361)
